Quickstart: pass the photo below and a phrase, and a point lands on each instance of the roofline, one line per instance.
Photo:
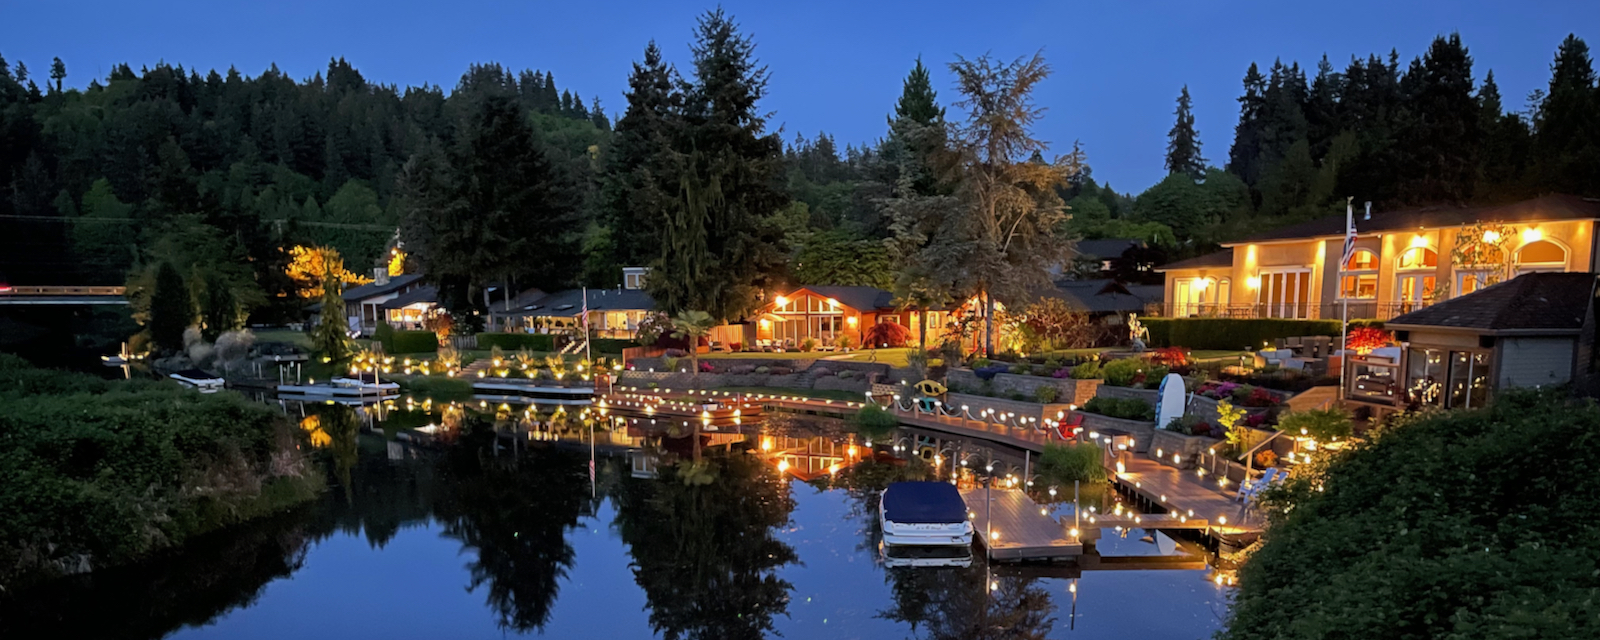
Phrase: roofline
(807, 288)
(1240, 243)
(1484, 332)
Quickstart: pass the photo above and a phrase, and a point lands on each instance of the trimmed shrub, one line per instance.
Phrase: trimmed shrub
(1230, 333)
(1086, 370)
(1045, 394)
(411, 342)
(609, 345)
(515, 341)
(1125, 408)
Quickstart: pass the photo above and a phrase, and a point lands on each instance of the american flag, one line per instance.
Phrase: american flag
(583, 319)
(1349, 235)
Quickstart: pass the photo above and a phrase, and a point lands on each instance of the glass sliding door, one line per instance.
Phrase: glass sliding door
(1285, 294)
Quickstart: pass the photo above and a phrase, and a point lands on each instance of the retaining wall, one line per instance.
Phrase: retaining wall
(1068, 390)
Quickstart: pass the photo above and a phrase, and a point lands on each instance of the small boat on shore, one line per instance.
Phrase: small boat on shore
(343, 388)
(198, 380)
(920, 514)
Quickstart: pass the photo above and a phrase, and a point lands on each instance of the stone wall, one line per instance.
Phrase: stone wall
(1068, 390)
(1201, 406)
(685, 380)
(1142, 432)
(976, 404)
(1189, 448)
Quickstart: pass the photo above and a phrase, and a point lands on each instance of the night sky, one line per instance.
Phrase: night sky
(836, 66)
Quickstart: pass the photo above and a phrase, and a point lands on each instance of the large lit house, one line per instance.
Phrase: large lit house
(613, 313)
(1403, 260)
(1525, 332)
(825, 313)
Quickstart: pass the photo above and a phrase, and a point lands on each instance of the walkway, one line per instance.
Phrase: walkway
(1019, 530)
(38, 295)
(1197, 503)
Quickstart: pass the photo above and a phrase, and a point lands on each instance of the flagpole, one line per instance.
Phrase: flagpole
(588, 351)
(1344, 299)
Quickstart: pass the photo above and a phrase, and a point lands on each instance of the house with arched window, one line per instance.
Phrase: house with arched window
(1403, 261)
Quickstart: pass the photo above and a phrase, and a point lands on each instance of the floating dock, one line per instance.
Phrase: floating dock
(1019, 530)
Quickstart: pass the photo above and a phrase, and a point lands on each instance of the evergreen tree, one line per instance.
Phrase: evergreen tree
(171, 308)
(330, 338)
(1503, 158)
(1567, 143)
(720, 249)
(635, 192)
(1441, 136)
(58, 73)
(918, 102)
(1183, 142)
(1244, 156)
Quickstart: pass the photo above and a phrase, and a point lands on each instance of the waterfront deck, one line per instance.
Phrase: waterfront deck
(1189, 501)
(1023, 533)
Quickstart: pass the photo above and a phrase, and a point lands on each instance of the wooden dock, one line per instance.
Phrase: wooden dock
(1021, 531)
(1189, 501)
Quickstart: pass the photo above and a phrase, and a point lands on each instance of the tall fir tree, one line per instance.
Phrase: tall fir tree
(1244, 155)
(636, 193)
(171, 308)
(1440, 138)
(1567, 143)
(1183, 141)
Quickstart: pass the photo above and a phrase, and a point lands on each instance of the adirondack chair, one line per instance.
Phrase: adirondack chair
(1071, 427)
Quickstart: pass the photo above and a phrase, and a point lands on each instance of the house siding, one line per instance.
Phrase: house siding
(1531, 362)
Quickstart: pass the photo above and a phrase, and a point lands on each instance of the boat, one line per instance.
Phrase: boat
(901, 555)
(924, 514)
(343, 388)
(198, 380)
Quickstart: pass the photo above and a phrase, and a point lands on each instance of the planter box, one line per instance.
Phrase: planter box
(1166, 443)
(1142, 432)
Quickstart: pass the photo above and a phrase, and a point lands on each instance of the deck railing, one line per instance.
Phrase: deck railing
(1362, 309)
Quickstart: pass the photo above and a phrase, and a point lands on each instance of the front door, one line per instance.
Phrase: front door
(1182, 297)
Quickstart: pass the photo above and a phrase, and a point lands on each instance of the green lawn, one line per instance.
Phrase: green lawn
(290, 336)
(1216, 354)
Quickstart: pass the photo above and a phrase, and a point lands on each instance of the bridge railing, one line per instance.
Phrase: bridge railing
(28, 290)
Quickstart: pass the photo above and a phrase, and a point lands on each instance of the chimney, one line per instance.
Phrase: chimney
(1369, 211)
(380, 275)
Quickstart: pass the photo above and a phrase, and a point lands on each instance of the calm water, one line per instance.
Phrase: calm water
(471, 540)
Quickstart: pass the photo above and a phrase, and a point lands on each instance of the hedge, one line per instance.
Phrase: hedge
(611, 345)
(412, 342)
(515, 341)
(1230, 333)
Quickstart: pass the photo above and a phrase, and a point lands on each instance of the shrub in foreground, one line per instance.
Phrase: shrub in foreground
(1467, 524)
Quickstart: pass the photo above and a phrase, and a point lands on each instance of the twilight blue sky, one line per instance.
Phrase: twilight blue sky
(836, 65)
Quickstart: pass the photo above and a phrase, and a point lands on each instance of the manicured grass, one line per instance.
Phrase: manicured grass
(1075, 353)
(1216, 354)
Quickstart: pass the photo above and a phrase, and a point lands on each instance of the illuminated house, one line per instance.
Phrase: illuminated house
(1456, 354)
(824, 313)
(1404, 260)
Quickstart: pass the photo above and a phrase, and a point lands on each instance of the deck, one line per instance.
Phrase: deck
(1190, 502)
(1023, 533)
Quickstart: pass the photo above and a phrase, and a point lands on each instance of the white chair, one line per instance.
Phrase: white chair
(1249, 488)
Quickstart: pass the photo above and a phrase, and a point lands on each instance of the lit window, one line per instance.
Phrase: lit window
(1361, 286)
(1541, 252)
(1362, 260)
(1419, 258)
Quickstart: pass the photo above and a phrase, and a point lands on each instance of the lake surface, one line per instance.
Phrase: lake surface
(472, 539)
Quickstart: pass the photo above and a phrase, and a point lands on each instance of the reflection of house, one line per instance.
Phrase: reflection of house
(809, 458)
(364, 305)
(1457, 353)
(1402, 262)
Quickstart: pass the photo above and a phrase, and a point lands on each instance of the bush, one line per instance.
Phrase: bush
(414, 342)
(1229, 333)
(1322, 425)
(384, 335)
(1192, 425)
(875, 422)
(1045, 394)
(1063, 464)
(515, 341)
(1464, 524)
(1086, 370)
(847, 374)
(1125, 408)
(809, 344)
(112, 472)
(1121, 373)
(609, 345)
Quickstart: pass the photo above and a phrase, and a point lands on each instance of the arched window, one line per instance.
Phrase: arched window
(1362, 260)
(1542, 253)
(1419, 258)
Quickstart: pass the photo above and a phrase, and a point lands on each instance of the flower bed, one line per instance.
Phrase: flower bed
(1240, 394)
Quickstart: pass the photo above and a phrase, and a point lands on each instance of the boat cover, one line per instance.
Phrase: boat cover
(923, 503)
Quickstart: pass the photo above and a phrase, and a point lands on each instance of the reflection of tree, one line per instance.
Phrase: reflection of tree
(336, 428)
(955, 603)
(206, 578)
(705, 554)
(865, 482)
(514, 512)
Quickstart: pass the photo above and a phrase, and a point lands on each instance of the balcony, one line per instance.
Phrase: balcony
(1359, 310)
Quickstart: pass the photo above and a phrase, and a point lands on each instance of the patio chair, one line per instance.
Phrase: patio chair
(1249, 488)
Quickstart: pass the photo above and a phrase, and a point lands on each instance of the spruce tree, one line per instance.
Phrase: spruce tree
(58, 73)
(1567, 144)
(720, 252)
(171, 308)
(635, 193)
(1243, 156)
(1440, 138)
(918, 102)
(1183, 141)
(331, 336)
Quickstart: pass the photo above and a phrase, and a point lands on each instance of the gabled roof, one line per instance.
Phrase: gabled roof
(1223, 258)
(1541, 209)
(1105, 248)
(414, 296)
(570, 302)
(1103, 295)
(372, 289)
(1530, 303)
(858, 298)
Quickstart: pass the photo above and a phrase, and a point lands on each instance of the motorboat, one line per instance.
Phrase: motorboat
(344, 388)
(198, 380)
(924, 514)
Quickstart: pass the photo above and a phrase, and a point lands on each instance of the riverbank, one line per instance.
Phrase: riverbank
(97, 473)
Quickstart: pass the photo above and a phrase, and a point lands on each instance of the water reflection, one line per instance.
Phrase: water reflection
(715, 546)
